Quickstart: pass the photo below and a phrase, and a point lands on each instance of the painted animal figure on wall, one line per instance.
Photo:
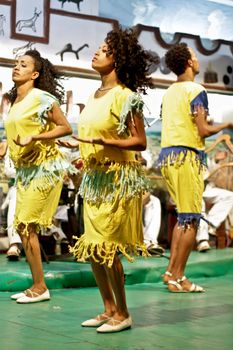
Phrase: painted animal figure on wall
(2, 20)
(19, 51)
(28, 23)
(68, 48)
(74, 1)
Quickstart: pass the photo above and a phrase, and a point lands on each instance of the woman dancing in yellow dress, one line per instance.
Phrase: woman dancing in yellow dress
(34, 121)
(110, 130)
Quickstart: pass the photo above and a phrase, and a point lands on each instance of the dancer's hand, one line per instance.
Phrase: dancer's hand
(23, 141)
(3, 149)
(96, 140)
(230, 126)
(68, 143)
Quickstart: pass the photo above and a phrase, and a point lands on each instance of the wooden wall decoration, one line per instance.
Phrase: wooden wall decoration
(89, 7)
(178, 37)
(68, 32)
(5, 19)
(30, 22)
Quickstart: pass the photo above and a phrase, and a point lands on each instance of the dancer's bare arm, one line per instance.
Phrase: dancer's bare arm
(62, 128)
(206, 129)
(136, 142)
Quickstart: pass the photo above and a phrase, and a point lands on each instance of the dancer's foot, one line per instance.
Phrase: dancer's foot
(167, 277)
(28, 292)
(174, 287)
(114, 325)
(97, 321)
(189, 287)
(33, 297)
(18, 295)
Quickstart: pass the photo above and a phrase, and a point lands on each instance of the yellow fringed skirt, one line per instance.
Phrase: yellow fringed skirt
(36, 206)
(111, 227)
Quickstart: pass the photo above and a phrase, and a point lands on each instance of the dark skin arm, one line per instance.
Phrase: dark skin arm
(204, 128)
(62, 128)
(68, 143)
(3, 149)
(137, 141)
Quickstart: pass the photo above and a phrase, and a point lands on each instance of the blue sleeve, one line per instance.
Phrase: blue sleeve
(200, 100)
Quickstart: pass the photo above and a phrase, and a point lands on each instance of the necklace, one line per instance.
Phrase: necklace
(106, 89)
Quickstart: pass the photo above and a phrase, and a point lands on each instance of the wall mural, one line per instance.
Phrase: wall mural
(216, 62)
(68, 48)
(40, 22)
(19, 51)
(28, 28)
(89, 7)
(28, 23)
(77, 2)
(2, 20)
(228, 77)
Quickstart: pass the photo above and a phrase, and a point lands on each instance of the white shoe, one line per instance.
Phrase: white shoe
(155, 249)
(203, 246)
(212, 230)
(96, 322)
(13, 253)
(17, 295)
(35, 297)
(117, 326)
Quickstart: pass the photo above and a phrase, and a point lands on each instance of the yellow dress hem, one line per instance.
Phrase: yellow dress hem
(104, 253)
(38, 224)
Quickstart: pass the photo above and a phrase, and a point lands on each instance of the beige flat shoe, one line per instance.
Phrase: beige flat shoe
(34, 298)
(117, 326)
(18, 295)
(96, 322)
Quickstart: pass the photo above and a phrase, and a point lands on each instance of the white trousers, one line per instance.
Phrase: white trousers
(10, 202)
(222, 201)
(152, 220)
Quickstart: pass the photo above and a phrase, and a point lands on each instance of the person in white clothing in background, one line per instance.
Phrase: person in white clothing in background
(222, 204)
(151, 223)
(222, 201)
(15, 244)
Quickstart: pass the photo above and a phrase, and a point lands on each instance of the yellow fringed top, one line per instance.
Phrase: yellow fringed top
(108, 168)
(178, 126)
(39, 159)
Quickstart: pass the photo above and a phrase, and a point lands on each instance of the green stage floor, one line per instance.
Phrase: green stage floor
(162, 320)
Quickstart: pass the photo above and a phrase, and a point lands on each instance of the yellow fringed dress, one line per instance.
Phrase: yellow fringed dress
(40, 165)
(113, 181)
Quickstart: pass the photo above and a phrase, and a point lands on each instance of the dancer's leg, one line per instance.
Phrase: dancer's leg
(116, 277)
(176, 235)
(32, 250)
(105, 288)
(186, 242)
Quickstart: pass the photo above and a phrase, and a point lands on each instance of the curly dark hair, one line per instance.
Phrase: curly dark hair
(177, 58)
(48, 79)
(132, 62)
